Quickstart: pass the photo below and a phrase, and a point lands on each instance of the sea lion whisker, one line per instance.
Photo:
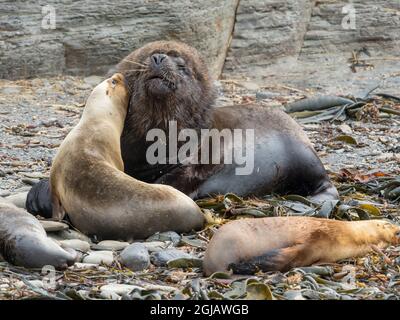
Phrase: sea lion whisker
(137, 70)
(138, 63)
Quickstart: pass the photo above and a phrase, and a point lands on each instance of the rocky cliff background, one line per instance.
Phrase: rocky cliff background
(334, 46)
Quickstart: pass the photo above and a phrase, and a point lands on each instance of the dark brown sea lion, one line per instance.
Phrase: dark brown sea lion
(88, 182)
(170, 81)
(282, 243)
(23, 241)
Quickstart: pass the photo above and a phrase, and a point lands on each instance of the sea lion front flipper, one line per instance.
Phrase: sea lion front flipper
(58, 209)
(274, 260)
(327, 192)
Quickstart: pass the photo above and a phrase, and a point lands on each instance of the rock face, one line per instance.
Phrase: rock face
(265, 32)
(91, 36)
(307, 43)
(303, 43)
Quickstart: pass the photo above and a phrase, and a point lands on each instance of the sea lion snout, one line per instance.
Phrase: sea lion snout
(389, 232)
(157, 59)
(395, 234)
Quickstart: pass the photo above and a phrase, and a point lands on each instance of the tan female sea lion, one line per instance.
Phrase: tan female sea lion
(282, 243)
(87, 179)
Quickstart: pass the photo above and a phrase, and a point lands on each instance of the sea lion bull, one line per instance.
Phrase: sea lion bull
(282, 243)
(169, 81)
(87, 179)
(23, 241)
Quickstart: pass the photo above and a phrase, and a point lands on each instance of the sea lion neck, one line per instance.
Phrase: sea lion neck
(146, 113)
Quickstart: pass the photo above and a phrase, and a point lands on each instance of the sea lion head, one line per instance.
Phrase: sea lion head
(117, 89)
(167, 80)
(389, 232)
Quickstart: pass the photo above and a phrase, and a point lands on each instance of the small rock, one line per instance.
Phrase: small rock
(155, 246)
(345, 128)
(35, 175)
(388, 156)
(70, 234)
(260, 95)
(75, 244)
(165, 236)
(251, 86)
(19, 284)
(37, 283)
(84, 86)
(23, 189)
(93, 80)
(293, 295)
(135, 257)
(53, 226)
(116, 290)
(4, 193)
(161, 258)
(94, 266)
(10, 90)
(18, 199)
(2, 173)
(110, 245)
(99, 257)
(52, 122)
(185, 263)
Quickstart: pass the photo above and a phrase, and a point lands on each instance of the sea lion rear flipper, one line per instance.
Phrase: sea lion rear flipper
(274, 260)
(38, 201)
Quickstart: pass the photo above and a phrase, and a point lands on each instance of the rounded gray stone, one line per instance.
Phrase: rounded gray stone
(99, 257)
(75, 244)
(161, 258)
(110, 245)
(18, 199)
(53, 226)
(165, 236)
(135, 257)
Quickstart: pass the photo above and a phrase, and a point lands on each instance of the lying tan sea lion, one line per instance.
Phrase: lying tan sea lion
(282, 243)
(87, 179)
(23, 241)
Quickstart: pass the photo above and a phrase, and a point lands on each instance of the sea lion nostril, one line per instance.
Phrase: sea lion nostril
(158, 58)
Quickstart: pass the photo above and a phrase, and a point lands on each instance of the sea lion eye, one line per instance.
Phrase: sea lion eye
(180, 63)
(113, 83)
